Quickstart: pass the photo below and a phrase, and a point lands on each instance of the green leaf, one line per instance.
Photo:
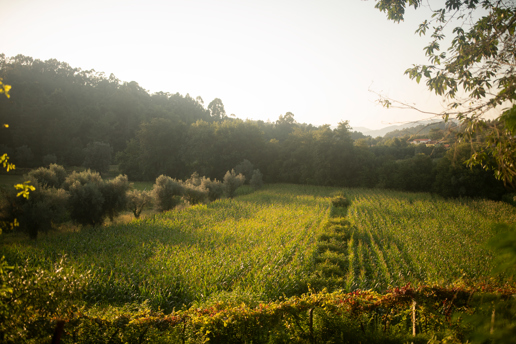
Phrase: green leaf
(509, 118)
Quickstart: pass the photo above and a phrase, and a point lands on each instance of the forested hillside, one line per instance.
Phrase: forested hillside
(61, 114)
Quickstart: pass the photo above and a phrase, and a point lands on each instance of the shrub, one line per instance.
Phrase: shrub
(137, 200)
(86, 203)
(60, 173)
(194, 180)
(194, 194)
(44, 207)
(92, 199)
(256, 180)
(115, 195)
(214, 187)
(166, 193)
(232, 181)
(52, 177)
(38, 296)
(44, 177)
(83, 177)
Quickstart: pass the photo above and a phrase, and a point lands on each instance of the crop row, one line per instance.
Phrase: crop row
(400, 238)
(259, 246)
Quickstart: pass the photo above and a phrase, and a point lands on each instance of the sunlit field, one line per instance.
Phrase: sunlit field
(263, 245)
(405, 237)
(259, 245)
(273, 253)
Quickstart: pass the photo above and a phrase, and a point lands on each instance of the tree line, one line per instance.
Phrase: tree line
(59, 114)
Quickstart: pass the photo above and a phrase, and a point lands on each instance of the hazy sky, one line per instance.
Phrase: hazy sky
(314, 58)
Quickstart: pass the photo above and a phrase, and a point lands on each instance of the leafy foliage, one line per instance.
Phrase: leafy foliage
(86, 204)
(195, 194)
(37, 213)
(232, 182)
(82, 177)
(92, 199)
(115, 196)
(137, 200)
(51, 177)
(476, 74)
(166, 193)
(215, 188)
(38, 296)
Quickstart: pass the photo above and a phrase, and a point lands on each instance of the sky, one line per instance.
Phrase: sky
(318, 59)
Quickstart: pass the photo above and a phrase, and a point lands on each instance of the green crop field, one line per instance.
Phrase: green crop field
(262, 246)
(404, 237)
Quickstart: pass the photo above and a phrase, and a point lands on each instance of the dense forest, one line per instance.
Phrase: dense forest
(74, 117)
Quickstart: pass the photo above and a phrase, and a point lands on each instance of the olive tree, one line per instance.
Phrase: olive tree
(215, 188)
(166, 193)
(137, 200)
(92, 199)
(232, 182)
(53, 176)
(37, 213)
(115, 195)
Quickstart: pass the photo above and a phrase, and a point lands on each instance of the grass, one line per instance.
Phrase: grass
(272, 242)
(258, 246)
(402, 238)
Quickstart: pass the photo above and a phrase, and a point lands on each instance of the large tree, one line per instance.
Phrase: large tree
(476, 73)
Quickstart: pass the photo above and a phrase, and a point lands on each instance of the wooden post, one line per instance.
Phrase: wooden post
(492, 320)
(311, 325)
(414, 318)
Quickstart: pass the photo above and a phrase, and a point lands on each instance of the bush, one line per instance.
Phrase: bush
(232, 181)
(256, 180)
(60, 173)
(166, 193)
(51, 177)
(44, 177)
(214, 187)
(194, 180)
(86, 204)
(39, 296)
(44, 207)
(83, 177)
(92, 199)
(115, 195)
(194, 194)
(137, 200)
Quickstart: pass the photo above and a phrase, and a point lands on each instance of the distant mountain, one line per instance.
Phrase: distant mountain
(383, 131)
